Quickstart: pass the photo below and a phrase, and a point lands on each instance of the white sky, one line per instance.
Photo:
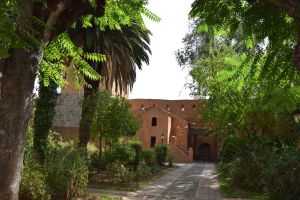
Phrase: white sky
(163, 78)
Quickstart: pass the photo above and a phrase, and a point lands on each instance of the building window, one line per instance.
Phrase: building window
(182, 108)
(153, 141)
(154, 121)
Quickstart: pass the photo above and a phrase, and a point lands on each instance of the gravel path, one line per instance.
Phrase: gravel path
(197, 181)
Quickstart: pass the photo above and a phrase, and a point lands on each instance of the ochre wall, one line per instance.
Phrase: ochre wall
(148, 130)
(190, 112)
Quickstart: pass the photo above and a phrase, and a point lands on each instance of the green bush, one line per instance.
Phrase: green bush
(248, 163)
(28, 145)
(33, 185)
(148, 157)
(144, 170)
(282, 176)
(121, 172)
(138, 154)
(231, 145)
(67, 173)
(96, 163)
(161, 153)
(120, 152)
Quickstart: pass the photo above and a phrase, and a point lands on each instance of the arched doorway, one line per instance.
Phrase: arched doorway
(204, 152)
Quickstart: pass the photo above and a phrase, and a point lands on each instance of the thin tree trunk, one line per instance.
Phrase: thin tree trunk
(15, 109)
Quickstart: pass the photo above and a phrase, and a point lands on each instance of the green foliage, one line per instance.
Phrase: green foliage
(231, 145)
(272, 42)
(33, 183)
(16, 33)
(67, 173)
(124, 12)
(43, 116)
(161, 153)
(97, 162)
(241, 99)
(112, 118)
(281, 178)
(62, 56)
(148, 157)
(122, 153)
(242, 64)
(137, 146)
(28, 145)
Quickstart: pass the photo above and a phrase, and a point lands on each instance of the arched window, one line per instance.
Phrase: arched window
(154, 121)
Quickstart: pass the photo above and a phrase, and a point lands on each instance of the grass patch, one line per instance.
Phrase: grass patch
(128, 187)
(109, 197)
(134, 186)
(232, 192)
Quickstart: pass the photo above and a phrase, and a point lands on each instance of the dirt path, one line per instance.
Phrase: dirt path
(197, 181)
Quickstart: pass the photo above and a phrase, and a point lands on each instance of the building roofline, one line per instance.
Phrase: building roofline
(170, 114)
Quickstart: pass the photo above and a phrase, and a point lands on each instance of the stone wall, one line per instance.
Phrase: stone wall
(68, 110)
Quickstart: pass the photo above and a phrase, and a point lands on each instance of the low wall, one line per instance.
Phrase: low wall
(180, 153)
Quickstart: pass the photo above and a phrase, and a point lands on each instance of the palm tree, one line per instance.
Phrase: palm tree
(125, 49)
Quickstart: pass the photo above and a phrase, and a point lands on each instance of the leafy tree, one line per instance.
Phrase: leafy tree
(28, 28)
(246, 68)
(112, 118)
(125, 50)
(270, 26)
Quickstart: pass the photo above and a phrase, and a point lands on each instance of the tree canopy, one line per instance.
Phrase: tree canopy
(243, 62)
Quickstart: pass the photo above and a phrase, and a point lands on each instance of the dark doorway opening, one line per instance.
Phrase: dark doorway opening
(204, 152)
(153, 141)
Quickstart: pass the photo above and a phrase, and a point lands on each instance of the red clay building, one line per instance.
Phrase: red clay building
(176, 123)
(172, 122)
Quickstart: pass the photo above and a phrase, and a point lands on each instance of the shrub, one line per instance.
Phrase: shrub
(33, 185)
(28, 145)
(121, 172)
(122, 153)
(231, 145)
(282, 176)
(148, 157)
(138, 154)
(97, 163)
(248, 163)
(143, 170)
(161, 153)
(67, 173)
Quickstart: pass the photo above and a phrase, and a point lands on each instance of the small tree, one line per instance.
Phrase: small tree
(112, 119)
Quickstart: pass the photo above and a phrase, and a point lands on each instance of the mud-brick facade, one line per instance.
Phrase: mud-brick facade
(172, 122)
(177, 124)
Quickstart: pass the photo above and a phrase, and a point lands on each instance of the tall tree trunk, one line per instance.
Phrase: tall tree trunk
(15, 109)
(43, 116)
(19, 72)
(87, 113)
(87, 108)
